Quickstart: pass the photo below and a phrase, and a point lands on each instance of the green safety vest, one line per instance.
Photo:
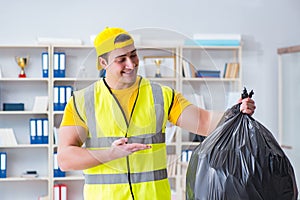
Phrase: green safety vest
(143, 174)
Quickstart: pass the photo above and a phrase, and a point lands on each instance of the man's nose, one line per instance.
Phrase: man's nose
(129, 63)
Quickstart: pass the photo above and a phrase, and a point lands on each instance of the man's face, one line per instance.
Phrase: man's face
(122, 67)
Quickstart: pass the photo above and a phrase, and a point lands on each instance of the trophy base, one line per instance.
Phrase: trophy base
(22, 75)
(157, 75)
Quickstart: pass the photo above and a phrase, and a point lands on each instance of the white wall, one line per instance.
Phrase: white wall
(265, 25)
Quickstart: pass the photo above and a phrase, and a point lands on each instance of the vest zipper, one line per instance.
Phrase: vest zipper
(128, 123)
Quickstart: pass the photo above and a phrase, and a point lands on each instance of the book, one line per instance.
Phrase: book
(231, 70)
(171, 164)
(187, 72)
(170, 132)
(55, 135)
(208, 73)
(40, 104)
(7, 137)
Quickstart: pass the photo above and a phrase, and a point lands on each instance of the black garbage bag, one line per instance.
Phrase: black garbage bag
(240, 160)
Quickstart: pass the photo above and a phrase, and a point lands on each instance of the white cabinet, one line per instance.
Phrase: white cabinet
(80, 71)
(25, 156)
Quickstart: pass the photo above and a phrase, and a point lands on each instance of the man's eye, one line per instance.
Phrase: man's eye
(133, 56)
(119, 60)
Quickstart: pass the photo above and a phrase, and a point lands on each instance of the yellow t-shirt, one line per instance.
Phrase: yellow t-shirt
(71, 117)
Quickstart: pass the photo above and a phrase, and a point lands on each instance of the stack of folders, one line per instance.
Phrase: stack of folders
(186, 155)
(60, 192)
(45, 64)
(61, 97)
(59, 64)
(56, 170)
(3, 164)
(208, 73)
(215, 40)
(39, 130)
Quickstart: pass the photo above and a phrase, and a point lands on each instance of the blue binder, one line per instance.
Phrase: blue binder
(62, 64)
(56, 170)
(3, 164)
(59, 64)
(45, 138)
(61, 97)
(32, 131)
(39, 131)
(45, 64)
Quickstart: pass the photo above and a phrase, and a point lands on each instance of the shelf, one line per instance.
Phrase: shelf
(69, 178)
(22, 113)
(76, 79)
(20, 179)
(25, 146)
(7, 79)
(211, 79)
(212, 47)
(190, 143)
(161, 79)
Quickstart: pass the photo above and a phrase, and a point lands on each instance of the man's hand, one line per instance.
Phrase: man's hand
(120, 148)
(247, 106)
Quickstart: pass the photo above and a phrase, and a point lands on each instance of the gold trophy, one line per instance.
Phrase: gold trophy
(157, 63)
(22, 62)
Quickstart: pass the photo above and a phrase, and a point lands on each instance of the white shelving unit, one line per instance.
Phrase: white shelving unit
(25, 156)
(80, 72)
(288, 107)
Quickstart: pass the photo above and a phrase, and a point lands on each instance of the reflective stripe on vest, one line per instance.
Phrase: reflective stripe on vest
(123, 178)
(154, 138)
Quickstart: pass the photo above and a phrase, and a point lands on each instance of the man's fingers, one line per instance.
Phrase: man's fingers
(120, 141)
(136, 147)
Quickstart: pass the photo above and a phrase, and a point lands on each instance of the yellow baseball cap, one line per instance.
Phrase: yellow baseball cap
(105, 41)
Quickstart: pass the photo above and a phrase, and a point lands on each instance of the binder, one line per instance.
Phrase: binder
(39, 131)
(45, 138)
(59, 64)
(68, 93)
(45, 64)
(55, 97)
(3, 164)
(63, 192)
(61, 97)
(62, 64)
(60, 192)
(32, 127)
(56, 64)
(56, 170)
(56, 192)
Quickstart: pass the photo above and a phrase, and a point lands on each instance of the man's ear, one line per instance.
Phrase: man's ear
(102, 62)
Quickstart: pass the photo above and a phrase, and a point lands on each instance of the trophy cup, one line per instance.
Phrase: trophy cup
(157, 63)
(22, 62)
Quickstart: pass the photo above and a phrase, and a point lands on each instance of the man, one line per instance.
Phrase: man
(121, 121)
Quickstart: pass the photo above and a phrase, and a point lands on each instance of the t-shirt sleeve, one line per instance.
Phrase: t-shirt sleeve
(71, 117)
(179, 104)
